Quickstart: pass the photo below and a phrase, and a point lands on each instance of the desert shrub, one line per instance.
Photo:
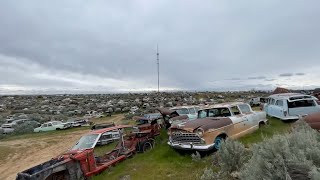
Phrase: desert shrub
(208, 174)
(232, 155)
(314, 174)
(230, 158)
(26, 127)
(290, 156)
(196, 157)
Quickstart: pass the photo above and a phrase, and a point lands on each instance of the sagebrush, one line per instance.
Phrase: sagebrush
(294, 155)
(290, 156)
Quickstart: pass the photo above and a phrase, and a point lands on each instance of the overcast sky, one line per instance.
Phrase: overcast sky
(110, 46)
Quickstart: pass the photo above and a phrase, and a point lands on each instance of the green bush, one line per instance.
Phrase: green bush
(290, 156)
(230, 158)
(26, 127)
(232, 155)
(208, 174)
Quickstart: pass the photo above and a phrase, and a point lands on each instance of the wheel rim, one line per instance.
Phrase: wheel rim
(217, 142)
(147, 146)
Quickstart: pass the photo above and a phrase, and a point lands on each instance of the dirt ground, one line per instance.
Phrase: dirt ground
(25, 153)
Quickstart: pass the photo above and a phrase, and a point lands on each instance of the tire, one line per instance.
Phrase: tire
(146, 146)
(58, 129)
(217, 142)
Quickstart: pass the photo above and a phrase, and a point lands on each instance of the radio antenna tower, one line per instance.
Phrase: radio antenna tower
(158, 64)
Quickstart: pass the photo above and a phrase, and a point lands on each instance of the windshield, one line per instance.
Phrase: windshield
(214, 112)
(182, 111)
(86, 142)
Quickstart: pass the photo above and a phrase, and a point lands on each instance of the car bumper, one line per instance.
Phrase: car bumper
(191, 146)
(288, 118)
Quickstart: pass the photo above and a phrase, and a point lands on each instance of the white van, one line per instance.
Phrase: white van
(290, 106)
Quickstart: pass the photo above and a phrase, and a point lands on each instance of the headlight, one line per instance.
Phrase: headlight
(199, 132)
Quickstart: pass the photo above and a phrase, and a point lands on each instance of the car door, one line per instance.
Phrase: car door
(239, 122)
(270, 110)
(278, 109)
(44, 127)
(251, 118)
(50, 127)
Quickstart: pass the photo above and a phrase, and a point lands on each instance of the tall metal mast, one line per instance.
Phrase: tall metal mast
(158, 63)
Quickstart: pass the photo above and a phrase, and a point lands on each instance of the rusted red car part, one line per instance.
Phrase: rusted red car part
(313, 120)
(79, 164)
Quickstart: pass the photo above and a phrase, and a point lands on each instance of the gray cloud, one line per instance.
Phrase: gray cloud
(234, 79)
(111, 44)
(286, 75)
(300, 74)
(258, 77)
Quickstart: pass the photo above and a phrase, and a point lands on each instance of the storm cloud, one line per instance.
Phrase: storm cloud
(109, 46)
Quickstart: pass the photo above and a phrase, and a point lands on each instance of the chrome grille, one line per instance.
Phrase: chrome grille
(181, 137)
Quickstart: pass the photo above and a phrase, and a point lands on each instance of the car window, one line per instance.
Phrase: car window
(54, 123)
(213, 112)
(279, 103)
(244, 108)
(49, 124)
(192, 111)
(202, 114)
(301, 103)
(272, 101)
(235, 110)
(45, 125)
(182, 111)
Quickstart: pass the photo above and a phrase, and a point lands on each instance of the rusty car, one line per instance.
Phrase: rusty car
(214, 124)
(178, 115)
(81, 161)
(313, 120)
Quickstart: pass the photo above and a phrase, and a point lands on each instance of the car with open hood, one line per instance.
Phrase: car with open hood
(214, 124)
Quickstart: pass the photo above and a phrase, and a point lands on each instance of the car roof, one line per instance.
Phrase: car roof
(289, 95)
(223, 105)
(180, 107)
(52, 122)
(101, 131)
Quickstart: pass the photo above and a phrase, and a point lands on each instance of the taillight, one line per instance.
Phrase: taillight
(285, 113)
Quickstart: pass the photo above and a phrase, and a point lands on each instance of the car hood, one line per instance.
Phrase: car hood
(204, 123)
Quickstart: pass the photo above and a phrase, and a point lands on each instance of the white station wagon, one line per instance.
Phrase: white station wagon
(214, 124)
(291, 106)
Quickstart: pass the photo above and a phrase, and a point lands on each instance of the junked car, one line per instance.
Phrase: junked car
(51, 126)
(291, 106)
(313, 120)
(7, 128)
(81, 162)
(108, 137)
(190, 111)
(214, 124)
(178, 115)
